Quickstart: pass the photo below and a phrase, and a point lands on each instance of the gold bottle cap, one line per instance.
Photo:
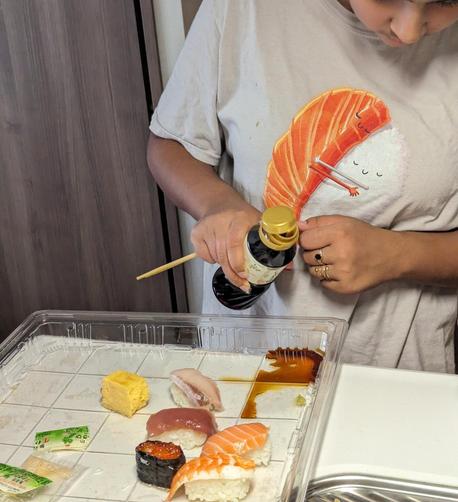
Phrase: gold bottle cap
(278, 228)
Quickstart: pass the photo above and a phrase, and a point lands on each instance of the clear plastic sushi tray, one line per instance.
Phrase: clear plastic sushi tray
(52, 365)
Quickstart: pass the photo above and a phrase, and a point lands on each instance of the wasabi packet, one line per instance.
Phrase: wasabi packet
(17, 481)
(73, 438)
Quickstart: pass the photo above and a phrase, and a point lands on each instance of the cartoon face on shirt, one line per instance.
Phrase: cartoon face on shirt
(378, 165)
(341, 155)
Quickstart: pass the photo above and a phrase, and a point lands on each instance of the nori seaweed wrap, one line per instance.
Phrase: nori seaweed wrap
(158, 462)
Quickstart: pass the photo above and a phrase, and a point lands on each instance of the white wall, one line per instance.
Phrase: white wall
(170, 34)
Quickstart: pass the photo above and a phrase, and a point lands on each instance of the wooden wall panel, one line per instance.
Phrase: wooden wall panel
(79, 212)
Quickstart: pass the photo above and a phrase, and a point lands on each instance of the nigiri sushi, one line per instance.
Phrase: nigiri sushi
(249, 440)
(158, 462)
(191, 388)
(219, 478)
(187, 427)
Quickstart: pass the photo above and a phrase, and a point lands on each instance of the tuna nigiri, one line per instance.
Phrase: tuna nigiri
(214, 478)
(248, 440)
(187, 427)
(191, 388)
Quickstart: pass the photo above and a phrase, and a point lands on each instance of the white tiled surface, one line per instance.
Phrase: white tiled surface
(68, 458)
(280, 402)
(6, 450)
(159, 363)
(62, 419)
(105, 360)
(58, 393)
(107, 476)
(159, 396)
(39, 388)
(65, 360)
(233, 397)
(74, 499)
(226, 366)
(83, 393)
(120, 434)
(17, 421)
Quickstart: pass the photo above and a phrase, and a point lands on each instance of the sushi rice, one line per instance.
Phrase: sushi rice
(260, 456)
(186, 438)
(221, 490)
(231, 483)
(179, 396)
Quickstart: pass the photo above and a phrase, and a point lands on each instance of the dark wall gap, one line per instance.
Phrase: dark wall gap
(149, 106)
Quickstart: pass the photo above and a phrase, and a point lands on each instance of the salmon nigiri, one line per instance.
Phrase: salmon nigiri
(213, 478)
(248, 440)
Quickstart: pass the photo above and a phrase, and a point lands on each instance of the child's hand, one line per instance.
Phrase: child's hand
(357, 255)
(219, 237)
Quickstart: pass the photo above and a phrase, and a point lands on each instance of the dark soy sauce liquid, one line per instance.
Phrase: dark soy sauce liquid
(234, 298)
(290, 367)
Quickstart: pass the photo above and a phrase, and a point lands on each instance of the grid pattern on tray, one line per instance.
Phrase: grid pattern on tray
(63, 390)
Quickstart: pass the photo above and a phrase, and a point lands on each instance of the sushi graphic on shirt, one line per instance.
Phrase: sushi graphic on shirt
(341, 155)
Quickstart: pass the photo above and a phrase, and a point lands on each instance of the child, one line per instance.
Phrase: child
(372, 88)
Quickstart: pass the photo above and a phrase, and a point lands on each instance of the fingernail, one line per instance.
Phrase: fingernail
(243, 275)
(246, 288)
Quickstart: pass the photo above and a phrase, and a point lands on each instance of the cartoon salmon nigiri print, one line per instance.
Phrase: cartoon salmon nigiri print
(326, 129)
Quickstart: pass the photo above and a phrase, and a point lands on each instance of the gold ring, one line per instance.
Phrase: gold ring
(319, 257)
(326, 273)
(322, 272)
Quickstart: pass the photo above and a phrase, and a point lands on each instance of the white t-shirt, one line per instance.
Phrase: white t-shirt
(247, 69)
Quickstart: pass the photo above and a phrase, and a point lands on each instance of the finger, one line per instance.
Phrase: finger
(312, 258)
(202, 248)
(223, 260)
(319, 221)
(235, 249)
(317, 238)
(235, 279)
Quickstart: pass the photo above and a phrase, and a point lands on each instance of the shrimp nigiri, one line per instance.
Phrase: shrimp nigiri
(214, 478)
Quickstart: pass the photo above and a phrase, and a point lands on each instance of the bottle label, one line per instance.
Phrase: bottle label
(257, 273)
(14, 480)
(73, 438)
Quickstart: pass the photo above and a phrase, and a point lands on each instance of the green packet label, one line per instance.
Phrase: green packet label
(14, 480)
(73, 438)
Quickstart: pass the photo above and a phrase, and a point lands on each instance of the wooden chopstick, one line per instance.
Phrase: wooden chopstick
(165, 267)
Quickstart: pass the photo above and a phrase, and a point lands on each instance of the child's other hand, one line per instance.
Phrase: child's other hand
(219, 238)
(358, 255)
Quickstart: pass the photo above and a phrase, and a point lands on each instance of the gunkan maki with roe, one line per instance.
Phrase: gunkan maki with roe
(158, 462)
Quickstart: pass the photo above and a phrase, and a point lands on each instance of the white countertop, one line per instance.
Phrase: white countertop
(394, 423)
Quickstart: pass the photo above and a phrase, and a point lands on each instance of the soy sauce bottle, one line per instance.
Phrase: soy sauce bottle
(269, 247)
